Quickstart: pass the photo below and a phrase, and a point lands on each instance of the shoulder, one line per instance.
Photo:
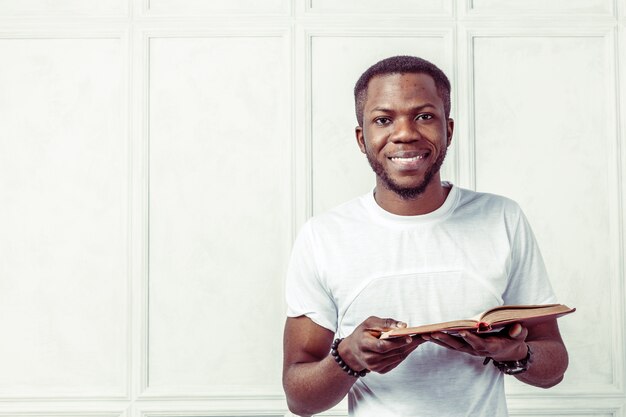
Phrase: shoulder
(487, 203)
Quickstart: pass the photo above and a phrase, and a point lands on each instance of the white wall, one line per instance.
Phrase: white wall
(157, 158)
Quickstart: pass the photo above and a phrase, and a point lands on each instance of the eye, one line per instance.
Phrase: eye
(424, 116)
(382, 121)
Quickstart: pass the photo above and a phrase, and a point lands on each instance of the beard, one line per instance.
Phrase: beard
(406, 193)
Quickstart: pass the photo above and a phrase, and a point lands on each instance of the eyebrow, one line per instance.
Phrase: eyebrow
(416, 108)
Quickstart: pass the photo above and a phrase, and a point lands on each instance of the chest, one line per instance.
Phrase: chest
(418, 276)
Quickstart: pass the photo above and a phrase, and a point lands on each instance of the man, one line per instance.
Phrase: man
(417, 250)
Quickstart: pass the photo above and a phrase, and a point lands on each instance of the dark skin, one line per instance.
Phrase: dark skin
(312, 380)
(404, 116)
(405, 133)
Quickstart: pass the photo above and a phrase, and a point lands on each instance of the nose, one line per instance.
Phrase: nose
(405, 130)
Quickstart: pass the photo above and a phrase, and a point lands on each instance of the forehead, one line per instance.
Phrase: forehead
(402, 90)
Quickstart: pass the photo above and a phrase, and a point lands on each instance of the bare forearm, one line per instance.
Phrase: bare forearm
(313, 381)
(549, 362)
(315, 386)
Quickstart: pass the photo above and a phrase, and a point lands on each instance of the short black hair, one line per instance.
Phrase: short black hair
(401, 64)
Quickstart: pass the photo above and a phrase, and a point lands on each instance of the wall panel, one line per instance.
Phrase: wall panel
(64, 218)
(567, 414)
(220, 225)
(55, 411)
(207, 7)
(404, 7)
(63, 7)
(565, 7)
(241, 126)
(545, 135)
(339, 170)
(574, 406)
(252, 408)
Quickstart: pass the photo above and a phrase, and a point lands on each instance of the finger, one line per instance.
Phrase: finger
(497, 344)
(384, 368)
(384, 363)
(465, 349)
(479, 345)
(452, 341)
(474, 341)
(515, 330)
(379, 346)
(395, 356)
(518, 332)
(381, 325)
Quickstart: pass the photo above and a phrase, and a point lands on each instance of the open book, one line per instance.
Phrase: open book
(490, 320)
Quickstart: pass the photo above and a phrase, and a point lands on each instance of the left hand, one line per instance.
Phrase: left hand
(502, 346)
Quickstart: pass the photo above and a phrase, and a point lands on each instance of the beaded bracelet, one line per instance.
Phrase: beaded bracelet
(513, 367)
(334, 351)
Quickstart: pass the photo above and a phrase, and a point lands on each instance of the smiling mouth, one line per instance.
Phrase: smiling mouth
(409, 158)
(412, 159)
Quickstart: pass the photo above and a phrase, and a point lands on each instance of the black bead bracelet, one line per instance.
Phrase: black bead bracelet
(513, 367)
(334, 351)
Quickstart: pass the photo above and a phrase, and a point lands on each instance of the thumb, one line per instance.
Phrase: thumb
(379, 324)
(518, 332)
(392, 324)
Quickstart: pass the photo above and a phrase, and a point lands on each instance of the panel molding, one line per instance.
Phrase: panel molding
(467, 149)
(196, 393)
(216, 413)
(123, 11)
(306, 38)
(578, 406)
(70, 412)
(467, 36)
(78, 33)
(137, 25)
(620, 108)
(447, 11)
(218, 407)
(143, 391)
(144, 8)
(468, 10)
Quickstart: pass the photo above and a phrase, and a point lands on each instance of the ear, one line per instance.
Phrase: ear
(360, 139)
(449, 131)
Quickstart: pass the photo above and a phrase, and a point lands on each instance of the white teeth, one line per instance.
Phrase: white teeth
(415, 158)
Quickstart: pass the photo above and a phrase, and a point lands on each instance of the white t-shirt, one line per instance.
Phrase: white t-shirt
(475, 252)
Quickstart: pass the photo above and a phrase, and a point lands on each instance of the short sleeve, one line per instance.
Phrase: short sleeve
(528, 281)
(306, 295)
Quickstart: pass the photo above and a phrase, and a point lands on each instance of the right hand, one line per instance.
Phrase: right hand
(364, 350)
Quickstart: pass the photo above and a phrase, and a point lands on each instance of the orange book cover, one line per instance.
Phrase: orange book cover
(493, 319)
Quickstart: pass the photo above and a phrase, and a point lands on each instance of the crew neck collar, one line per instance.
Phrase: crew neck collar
(443, 211)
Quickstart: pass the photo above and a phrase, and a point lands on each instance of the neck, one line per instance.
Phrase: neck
(430, 200)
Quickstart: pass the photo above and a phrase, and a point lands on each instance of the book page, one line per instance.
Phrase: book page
(509, 313)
